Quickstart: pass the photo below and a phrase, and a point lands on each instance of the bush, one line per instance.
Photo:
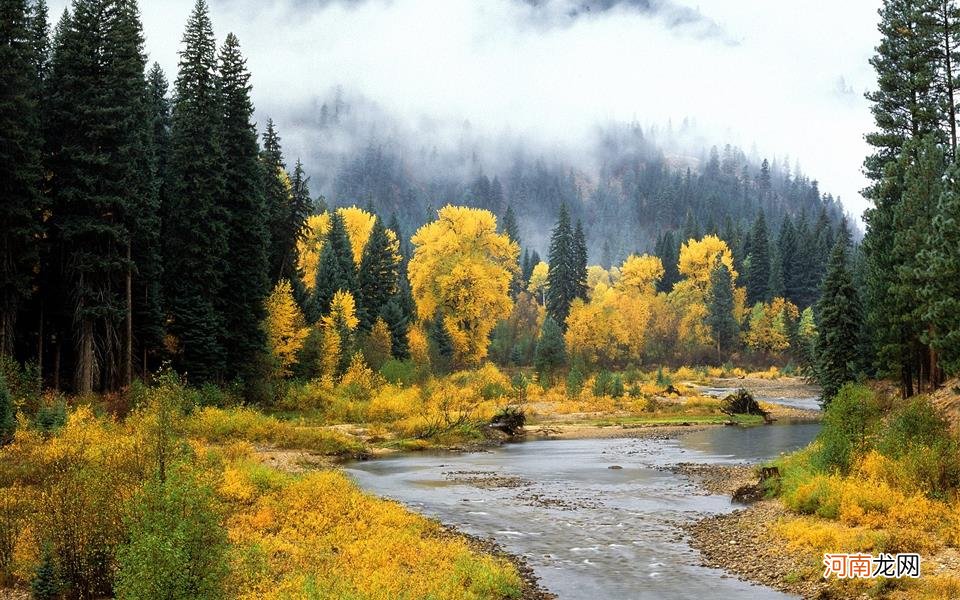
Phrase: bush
(399, 372)
(8, 421)
(603, 383)
(847, 424)
(918, 437)
(176, 547)
(45, 585)
(51, 414)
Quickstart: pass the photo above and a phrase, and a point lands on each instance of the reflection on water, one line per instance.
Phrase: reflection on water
(588, 531)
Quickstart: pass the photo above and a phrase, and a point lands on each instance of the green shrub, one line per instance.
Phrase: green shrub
(919, 437)
(51, 415)
(616, 386)
(847, 424)
(45, 585)
(399, 372)
(575, 381)
(8, 420)
(602, 383)
(177, 546)
(663, 380)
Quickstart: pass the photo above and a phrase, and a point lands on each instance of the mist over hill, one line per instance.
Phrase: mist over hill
(628, 183)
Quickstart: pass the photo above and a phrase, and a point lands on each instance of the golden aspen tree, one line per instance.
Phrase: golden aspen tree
(285, 327)
(462, 269)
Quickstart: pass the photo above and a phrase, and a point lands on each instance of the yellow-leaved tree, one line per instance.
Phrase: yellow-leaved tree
(285, 328)
(612, 327)
(770, 325)
(690, 295)
(338, 329)
(462, 269)
(359, 225)
(538, 282)
(309, 247)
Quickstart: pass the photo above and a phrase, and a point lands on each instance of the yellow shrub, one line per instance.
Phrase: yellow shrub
(392, 403)
(319, 536)
(419, 346)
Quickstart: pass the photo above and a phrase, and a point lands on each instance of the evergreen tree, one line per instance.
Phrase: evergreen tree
(335, 270)
(758, 276)
(905, 106)
(377, 275)
(279, 207)
(721, 320)
(787, 250)
(8, 417)
(441, 345)
(246, 280)
(44, 585)
(563, 277)
(510, 227)
(20, 166)
(776, 287)
(148, 306)
(668, 251)
(941, 290)
(550, 351)
(580, 260)
(839, 323)
(100, 181)
(197, 226)
(398, 322)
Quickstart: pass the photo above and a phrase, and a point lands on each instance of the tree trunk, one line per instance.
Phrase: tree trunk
(85, 358)
(128, 342)
(948, 64)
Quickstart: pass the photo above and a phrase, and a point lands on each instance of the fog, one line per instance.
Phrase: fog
(785, 78)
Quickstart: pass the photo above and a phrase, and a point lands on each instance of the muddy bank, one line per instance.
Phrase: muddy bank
(584, 431)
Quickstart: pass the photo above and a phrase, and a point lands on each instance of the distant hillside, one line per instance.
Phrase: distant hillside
(629, 185)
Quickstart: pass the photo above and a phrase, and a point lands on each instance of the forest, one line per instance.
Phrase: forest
(181, 311)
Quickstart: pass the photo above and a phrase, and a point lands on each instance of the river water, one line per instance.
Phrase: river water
(589, 531)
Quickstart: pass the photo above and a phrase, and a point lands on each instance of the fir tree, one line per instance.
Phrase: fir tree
(395, 318)
(197, 226)
(563, 280)
(721, 320)
(44, 585)
(668, 251)
(441, 345)
(8, 418)
(776, 286)
(335, 270)
(246, 279)
(839, 323)
(758, 276)
(510, 227)
(550, 351)
(377, 275)
(279, 207)
(580, 259)
(20, 166)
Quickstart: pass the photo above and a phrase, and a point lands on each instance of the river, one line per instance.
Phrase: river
(589, 531)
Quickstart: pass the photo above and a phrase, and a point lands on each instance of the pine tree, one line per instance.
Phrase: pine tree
(839, 323)
(720, 318)
(377, 275)
(669, 254)
(941, 290)
(563, 279)
(550, 351)
(335, 270)
(20, 166)
(246, 279)
(905, 106)
(758, 276)
(196, 224)
(787, 250)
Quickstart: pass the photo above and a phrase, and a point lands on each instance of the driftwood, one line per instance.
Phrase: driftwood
(742, 403)
(510, 420)
(755, 491)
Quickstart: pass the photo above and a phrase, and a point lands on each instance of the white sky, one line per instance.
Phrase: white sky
(786, 76)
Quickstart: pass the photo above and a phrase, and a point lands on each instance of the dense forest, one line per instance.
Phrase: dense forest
(144, 224)
(194, 326)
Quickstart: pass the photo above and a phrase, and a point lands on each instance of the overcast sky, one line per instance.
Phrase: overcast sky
(786, 76)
